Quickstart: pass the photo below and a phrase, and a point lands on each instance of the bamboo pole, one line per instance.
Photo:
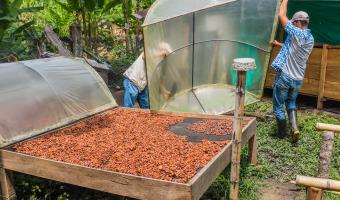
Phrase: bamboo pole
(321, 183)
(328, 127)
(242, 65)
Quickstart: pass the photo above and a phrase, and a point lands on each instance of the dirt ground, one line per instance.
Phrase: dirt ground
(281, 191)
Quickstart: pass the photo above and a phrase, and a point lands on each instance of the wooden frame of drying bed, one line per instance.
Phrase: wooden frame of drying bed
(124, 184)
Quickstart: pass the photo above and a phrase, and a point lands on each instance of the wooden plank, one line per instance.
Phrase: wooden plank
(252, 150)
(106, 181)
(7, 186)
(315, 56)
(334, 57)
(206, 176)
(333, 73)
(332, 90)
(202, 116)
(310, 87)
(322, 77)
(313, 71)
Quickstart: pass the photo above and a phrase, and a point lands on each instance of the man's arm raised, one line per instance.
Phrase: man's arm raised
(283, 13)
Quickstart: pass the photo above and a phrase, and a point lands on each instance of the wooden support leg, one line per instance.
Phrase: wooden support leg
(252, 150)
(314, 193)
(7, 187)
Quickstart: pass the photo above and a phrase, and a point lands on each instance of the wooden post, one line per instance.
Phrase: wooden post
(322, 80)
(252, 150)
(7, 187)
(75, 32)
(314, 193)
(326, 154)
(241, 65)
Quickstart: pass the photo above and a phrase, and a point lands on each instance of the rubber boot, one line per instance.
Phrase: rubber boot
(294, 126)
(281, 128)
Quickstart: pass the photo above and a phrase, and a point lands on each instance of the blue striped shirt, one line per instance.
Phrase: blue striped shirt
(294, 54)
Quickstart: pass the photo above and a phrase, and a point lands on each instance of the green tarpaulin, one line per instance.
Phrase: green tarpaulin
(324, 19)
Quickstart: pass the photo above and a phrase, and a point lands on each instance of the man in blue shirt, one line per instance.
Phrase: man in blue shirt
(290, 66)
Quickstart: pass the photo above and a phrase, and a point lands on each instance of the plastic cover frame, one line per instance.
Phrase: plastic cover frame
(40, 95)
(167, 35)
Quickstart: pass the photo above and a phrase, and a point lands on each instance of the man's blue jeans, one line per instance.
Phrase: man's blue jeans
(285, 92)
(131, 94)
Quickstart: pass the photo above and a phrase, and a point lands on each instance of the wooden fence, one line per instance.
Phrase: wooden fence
(322, 78)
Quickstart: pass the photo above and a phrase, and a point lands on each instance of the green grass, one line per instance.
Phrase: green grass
(278, 159)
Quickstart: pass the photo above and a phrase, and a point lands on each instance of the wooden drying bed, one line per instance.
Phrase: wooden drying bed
(121, 183)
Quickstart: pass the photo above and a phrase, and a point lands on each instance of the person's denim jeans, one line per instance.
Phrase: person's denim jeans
(285, 92)
(131, 94)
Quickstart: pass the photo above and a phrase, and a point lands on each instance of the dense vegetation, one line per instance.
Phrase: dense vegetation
(109, 28)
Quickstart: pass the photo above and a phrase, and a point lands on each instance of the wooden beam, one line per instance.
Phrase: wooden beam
(102, 180)
(328, 127)
(322, 80)
(314, 193)
(7, 186)
(53, 38)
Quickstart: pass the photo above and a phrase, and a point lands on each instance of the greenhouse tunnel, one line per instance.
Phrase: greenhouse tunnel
(44, 94)
(190, 46)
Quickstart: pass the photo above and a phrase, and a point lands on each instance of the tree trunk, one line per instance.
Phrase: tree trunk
(89, 27)
(137, 26)
(84, 23)
(75, 32)
(95, 27)
(126, 21)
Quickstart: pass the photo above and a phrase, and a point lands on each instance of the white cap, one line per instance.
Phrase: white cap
(300, 16)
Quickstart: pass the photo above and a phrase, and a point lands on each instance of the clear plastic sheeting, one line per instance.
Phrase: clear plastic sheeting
(166, 9)
(189, 52)
(40, 95)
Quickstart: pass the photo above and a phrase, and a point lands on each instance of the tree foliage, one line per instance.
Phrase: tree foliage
(22, 23)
